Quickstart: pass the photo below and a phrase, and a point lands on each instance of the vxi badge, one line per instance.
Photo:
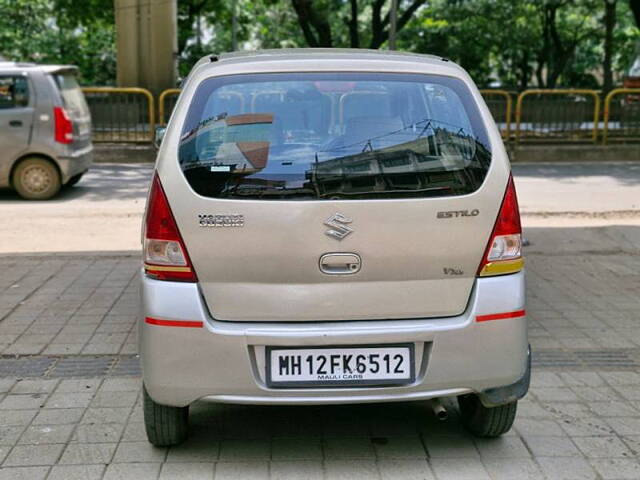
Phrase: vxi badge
(458, 213)
(338, 223)
(221, 220)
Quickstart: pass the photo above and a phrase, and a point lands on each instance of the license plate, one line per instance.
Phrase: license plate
(340, 366)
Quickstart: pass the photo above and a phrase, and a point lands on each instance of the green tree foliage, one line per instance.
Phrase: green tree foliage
(205, 27)
(356, 23)
(58, 31)
(195, 19)
(516, 44)
(547, 43)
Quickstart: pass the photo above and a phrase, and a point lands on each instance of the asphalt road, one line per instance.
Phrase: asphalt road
(104, 211)
(586, 188)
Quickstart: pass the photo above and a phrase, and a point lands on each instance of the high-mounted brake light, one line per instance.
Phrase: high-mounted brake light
(63, 128)
(503, 254)
(165, 256)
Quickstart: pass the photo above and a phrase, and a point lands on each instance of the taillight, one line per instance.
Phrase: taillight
(504, 251)
(63, 128)
(165, 256)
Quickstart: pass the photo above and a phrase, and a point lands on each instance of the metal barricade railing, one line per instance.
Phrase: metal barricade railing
(166, 104)
(571, 115)
(562, 114)
(500, 106)
(121, 114)
(622, 115)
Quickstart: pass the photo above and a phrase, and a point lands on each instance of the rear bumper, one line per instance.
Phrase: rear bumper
(225, 361)
(78, 162)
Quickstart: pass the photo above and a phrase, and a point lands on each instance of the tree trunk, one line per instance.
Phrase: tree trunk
(234, 25)
(377, 25)
(539, 69)
(635, 8)
(609, 24)
(316, 27)
(199, 32)
(561, 50)
(309, 17)
(354, 36)
(556, 51)
(379, 32)
(393, 23)
(543, 57)
(194, 12)
(523, 80)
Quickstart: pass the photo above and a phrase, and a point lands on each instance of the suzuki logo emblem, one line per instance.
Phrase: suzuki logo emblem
(338, 223)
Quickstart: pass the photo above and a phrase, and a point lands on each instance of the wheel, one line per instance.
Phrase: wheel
(165, 425)
(36, 179)
(75, 179)
(486, 421)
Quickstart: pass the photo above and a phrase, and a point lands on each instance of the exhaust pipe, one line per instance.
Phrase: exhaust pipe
(438, 409)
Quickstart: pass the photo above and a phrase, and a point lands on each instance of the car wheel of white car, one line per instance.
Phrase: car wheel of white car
(165, 425)
(486, 421)
(36, 178)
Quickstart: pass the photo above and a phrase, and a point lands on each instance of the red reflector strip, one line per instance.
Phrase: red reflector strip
(173, 323)
(500, 316)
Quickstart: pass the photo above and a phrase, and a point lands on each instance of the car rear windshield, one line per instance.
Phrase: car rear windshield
(314, 136)
(72, 96)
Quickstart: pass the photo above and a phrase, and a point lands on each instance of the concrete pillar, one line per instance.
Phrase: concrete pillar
(147, 44)
(127, 67)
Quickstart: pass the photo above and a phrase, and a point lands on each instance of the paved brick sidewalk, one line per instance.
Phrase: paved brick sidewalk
(70, 391)
(67, 305)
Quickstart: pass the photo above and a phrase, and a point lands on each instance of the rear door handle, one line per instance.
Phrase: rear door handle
(340, 263)
(15, 123)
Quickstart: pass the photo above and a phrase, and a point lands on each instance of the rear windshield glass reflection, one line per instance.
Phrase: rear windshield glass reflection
(333, 136)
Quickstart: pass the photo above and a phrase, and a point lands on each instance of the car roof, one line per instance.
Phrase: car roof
(306, 55)
(22, 66)
(326, 53)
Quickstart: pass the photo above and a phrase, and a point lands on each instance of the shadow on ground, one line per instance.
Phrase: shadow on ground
(627, 174)
(108, 182)
(307, 424)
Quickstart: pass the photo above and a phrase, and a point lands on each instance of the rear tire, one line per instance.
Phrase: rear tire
(36, 178)
(165, 426)
(486, 421)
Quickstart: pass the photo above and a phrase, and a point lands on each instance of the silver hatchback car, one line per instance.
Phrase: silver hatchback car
(45, 129)
(330, 227)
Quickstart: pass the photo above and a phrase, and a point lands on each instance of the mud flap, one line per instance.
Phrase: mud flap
(494, 397)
